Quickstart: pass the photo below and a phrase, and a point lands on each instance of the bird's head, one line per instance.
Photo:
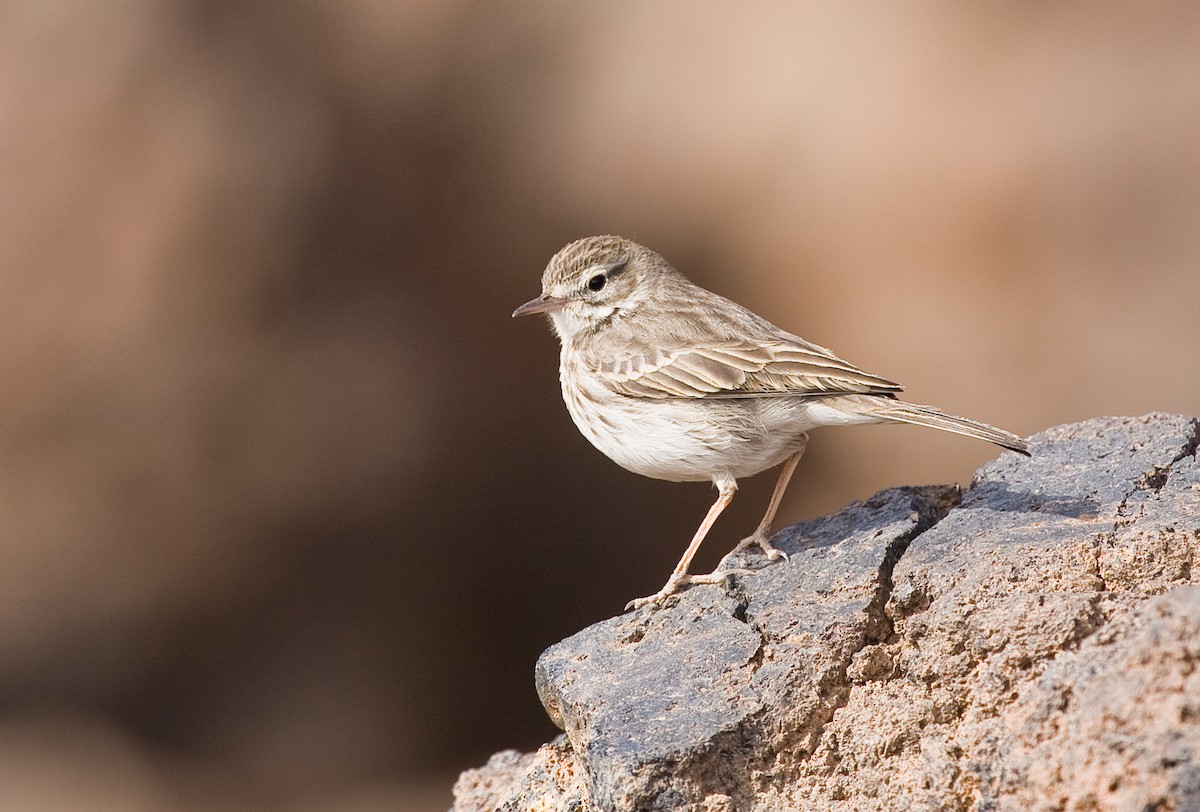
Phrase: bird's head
(592, 281)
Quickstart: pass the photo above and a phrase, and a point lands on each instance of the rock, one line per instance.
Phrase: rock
(551, 779)
(1030, 643)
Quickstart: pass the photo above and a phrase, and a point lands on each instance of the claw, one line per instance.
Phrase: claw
(772, 552)
(638, 603)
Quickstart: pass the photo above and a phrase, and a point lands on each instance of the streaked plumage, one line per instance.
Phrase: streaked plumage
(675, 382)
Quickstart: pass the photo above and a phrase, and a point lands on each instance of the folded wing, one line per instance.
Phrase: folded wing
(776, 367)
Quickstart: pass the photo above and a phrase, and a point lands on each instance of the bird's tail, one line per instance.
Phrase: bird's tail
(888, 408)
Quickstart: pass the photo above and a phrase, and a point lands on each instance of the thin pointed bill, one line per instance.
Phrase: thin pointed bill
(542, 304)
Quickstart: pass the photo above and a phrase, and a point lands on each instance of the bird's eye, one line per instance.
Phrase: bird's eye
(597, 282)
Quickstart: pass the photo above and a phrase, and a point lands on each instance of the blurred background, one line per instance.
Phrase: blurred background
(289, 505)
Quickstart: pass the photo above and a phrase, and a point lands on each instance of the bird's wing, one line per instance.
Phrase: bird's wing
(784, 365)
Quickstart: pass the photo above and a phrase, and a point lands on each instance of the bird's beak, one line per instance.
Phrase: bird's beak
(542, 304)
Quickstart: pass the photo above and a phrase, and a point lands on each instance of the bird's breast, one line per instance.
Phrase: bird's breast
(677, 439)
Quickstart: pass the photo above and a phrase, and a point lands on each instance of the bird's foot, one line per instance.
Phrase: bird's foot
(677, 582)
(760, 538)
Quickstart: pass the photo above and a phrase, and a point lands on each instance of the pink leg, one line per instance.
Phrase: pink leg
(762, 535)
(679, 577)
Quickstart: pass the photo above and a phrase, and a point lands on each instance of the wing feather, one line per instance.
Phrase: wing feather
(739, 370)
(674, 375)
(717, 374)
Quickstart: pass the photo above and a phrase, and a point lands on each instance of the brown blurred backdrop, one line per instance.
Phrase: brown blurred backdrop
(289, 505)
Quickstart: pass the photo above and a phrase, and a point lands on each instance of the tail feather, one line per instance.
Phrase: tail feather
(891, 409)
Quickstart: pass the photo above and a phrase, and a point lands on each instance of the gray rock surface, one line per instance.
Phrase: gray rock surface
(1030, 643)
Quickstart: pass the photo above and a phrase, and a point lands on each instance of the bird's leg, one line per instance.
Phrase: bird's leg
(762, 535)
(680, 577)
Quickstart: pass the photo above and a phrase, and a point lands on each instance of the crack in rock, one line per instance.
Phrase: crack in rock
(930, 505)
(936, 503)
(736, 589)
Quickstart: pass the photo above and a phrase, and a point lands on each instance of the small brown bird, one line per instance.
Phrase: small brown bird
(674, 382)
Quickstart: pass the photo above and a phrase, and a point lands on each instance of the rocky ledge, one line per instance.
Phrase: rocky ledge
(1030, 643)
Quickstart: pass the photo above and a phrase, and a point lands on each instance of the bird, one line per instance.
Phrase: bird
(675, 382)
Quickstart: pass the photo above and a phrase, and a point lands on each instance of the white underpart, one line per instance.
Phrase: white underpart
(824, 415)
(688, 440)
